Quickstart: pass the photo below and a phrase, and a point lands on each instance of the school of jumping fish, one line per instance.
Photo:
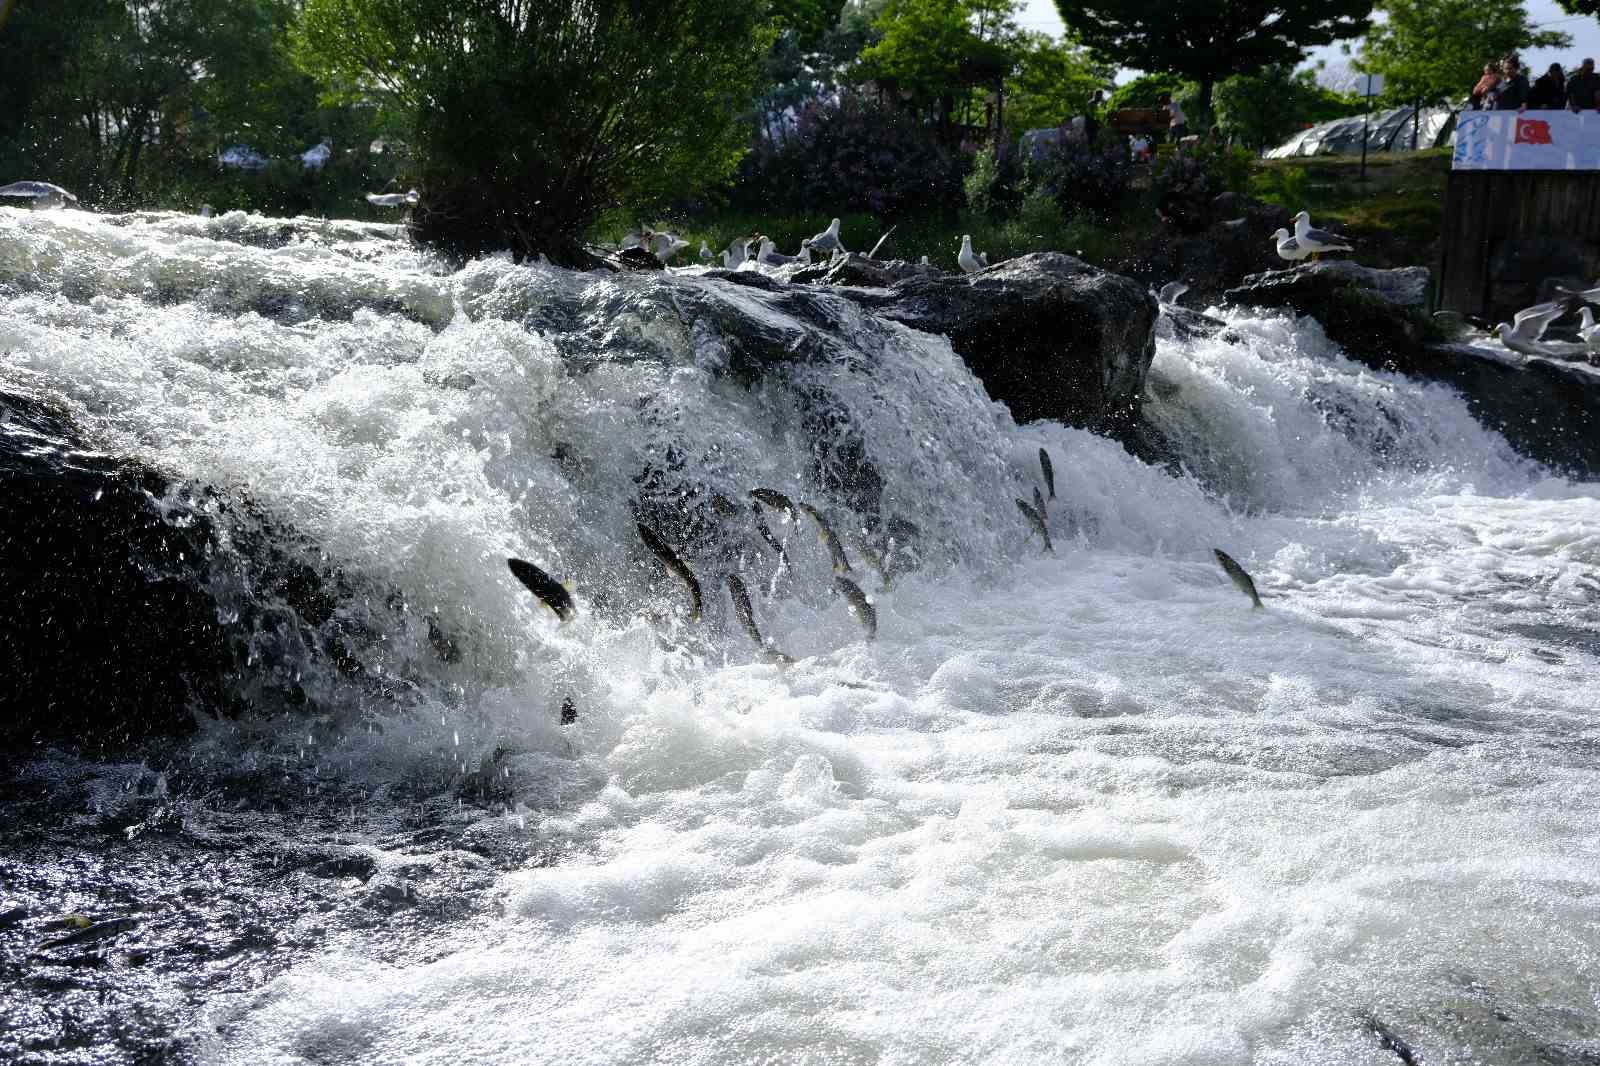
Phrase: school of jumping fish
(558, 599)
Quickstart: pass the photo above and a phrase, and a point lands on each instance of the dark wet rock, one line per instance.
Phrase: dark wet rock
(1182, 323)
(1547, 409)
(1361, 308)
(1048, 335)
(135, 600)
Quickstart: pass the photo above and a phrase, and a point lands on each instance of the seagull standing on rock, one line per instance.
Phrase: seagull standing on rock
(770, 256)
(41, 193)
(828, 240)
(1289, 248)
(968, 261)
(666, 246)
(736, 254)
(1317, 241)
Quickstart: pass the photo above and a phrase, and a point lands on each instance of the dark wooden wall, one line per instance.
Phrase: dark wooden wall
(1507, 231)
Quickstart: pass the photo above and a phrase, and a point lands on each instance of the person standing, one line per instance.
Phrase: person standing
(1513, 85)
(1549, 91)
(1177, 124)
(1091, 115)
(1485, 86)
(1582, 87)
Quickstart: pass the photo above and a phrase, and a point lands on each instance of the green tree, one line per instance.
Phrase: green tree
(117, 97)
(1433, 51)
(1265, 108)
(1051, 82)
(1581, 7)
(528, 118)
(934, 50)
(1206, 41)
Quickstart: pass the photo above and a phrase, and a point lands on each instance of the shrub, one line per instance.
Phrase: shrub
(530, 119)
(1185, 184)
(852, 156)
(994, 185)
(1089, 180)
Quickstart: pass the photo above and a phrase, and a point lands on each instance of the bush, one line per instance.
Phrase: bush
(994, 185)
(530, 119)
(1185, 184)
(852, 156)
(1089, 180)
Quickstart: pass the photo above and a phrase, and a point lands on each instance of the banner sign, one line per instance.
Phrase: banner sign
(1527, 140)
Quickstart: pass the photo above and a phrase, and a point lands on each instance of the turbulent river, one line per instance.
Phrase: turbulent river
(1088, 807)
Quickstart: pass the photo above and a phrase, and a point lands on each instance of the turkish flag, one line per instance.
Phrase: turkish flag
(1533, 131)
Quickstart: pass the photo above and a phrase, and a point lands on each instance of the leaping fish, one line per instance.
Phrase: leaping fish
(777, 501)
(860, 606)
(747, 618)
(825, 533)
(551, 592)
(669, 558)
(1236, 573)
(1038, 503)
(1036, 521)
(1049, 472)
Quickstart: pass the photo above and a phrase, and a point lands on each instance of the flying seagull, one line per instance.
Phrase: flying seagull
(1527, 326)
(1171, 292)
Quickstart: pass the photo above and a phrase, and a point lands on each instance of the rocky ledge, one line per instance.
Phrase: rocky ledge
(1547, 409)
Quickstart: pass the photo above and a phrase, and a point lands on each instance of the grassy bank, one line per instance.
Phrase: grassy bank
(1395, 212)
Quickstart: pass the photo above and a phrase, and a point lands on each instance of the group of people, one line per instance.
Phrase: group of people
(1505, 87)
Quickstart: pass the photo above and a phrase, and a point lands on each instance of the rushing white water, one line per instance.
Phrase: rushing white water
(1083, 808)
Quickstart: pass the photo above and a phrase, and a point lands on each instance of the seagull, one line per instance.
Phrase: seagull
(1588, 332)
(1317, 240)
(638, 238)
(1171, 291)
(1289, 248)
(736, 254)
(706, 254)
(205, 210)
(42, 193)
(393, 199)
(666, 246)
(770, 256)
(1522, 333)
(966, 259)
(828, 240)
(1588, 296)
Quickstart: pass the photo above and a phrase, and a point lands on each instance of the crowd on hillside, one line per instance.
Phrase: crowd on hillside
(1505, 87)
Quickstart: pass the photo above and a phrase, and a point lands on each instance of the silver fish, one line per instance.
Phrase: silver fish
(1237, 575)
(860, 606)
(1049, 472)
(680, 569)
(825, 533)
(747, 618)
(1036, 521)
(1038, 503)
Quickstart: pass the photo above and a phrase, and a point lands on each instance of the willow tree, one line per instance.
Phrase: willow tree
(530, 117)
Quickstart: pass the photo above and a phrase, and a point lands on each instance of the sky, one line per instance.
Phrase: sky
(1585, 31)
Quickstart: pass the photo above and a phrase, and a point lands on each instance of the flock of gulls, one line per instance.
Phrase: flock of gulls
(758, 250)
(558, 597)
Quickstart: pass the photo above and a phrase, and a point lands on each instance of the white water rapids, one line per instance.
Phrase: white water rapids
(1087, 808)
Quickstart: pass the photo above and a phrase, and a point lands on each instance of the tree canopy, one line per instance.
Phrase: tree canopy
(1052, 81)
(1206, 41)
(528, 117)
(935, 49)
(1265, 108)
(1434, 50)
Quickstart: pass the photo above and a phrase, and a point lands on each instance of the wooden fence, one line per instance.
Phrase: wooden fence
(1506, 232)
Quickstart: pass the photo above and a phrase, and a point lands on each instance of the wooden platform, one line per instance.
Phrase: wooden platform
(1507, 232)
